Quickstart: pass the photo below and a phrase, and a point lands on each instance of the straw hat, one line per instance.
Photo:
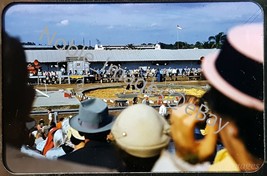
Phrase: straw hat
(93, 117)
(141, 131)
(237, 71)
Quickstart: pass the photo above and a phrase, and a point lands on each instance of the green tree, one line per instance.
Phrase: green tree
(183, 45)
(198, 45)
(130, 46)
(217, 40)
(28, 43)
(208, 45)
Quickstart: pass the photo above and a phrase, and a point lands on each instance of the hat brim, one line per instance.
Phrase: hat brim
(75, 124)
(217, 81)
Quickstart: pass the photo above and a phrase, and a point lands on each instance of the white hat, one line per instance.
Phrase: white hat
(141, 131)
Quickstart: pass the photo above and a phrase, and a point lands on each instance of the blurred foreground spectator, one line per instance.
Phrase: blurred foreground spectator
(94, 123)
(17, 125)
(236, 99)
(141, 133)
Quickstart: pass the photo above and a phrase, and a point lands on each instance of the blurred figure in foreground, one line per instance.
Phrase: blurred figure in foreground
(17, 102)
(140, 133)
(94, 123)
(236, 95)
(236, 101)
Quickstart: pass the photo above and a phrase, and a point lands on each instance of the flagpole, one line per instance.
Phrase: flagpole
(177, 38)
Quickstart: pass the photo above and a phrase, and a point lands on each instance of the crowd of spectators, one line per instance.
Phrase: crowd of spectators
(140, 139)
(111, 75)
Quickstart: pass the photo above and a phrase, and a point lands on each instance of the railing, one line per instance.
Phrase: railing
(62, 79)
(73, 111)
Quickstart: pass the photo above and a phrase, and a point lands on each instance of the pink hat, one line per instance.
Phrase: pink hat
(237, 70)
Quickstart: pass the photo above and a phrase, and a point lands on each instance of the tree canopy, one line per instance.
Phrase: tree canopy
(215, 41)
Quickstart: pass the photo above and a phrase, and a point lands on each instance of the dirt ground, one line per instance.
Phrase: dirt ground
(78, 87)
(82, 87)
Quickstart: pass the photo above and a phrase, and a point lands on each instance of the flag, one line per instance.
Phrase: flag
(178, 27)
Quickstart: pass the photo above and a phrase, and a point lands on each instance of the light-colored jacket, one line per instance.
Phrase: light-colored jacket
(172, 163)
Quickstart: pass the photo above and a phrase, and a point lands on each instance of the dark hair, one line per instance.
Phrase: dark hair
(138, 164)
(41, 121)
(52, 125)
(200, 60)
(249, 121)
(135, 99)
(101, 136)
(75, 141)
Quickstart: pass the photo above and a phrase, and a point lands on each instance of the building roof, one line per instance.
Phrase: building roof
(117, 55)
(37, 46)
(46, 55)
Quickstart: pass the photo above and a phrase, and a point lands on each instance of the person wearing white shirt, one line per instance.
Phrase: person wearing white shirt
(50, 116)
(163, 109)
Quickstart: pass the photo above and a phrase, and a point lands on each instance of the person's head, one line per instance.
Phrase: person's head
(41, 122)
(146, 97)
(53, 124)
(236, 95)
(75, 138)
(45, 131)
(202, 59)
(165, 102)
(135, 100)
(141, 133)
(180, 99)
(17, 95)
(93, 121)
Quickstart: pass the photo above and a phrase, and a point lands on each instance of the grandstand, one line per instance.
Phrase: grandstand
(53, 60)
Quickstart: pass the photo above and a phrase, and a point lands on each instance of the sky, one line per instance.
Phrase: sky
(122, 24)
